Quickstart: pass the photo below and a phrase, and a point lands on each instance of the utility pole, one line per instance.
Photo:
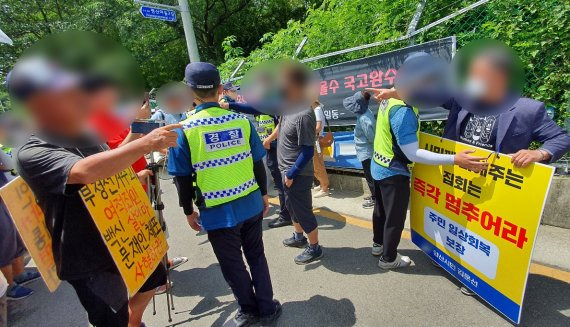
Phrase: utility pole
(184, 10)
(189, 31)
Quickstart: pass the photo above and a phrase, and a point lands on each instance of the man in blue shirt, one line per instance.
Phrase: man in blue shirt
(231, 225)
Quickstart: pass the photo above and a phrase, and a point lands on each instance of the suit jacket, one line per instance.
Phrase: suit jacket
(524, 122)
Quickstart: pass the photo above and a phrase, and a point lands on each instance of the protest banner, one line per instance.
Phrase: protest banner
(128, 225)
(30, 223)
(480, 227)
(342, 80)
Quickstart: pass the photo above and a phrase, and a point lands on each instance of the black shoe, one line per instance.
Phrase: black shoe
(309, 255)
(280, 222)
(271, 319)
(467, 291)
(294, 243)
(368, 203)
(243, 319)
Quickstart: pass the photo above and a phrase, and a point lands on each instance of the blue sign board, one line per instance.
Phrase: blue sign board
(158, 13)
(344, 153)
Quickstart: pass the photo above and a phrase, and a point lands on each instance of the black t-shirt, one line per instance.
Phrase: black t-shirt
(77, 245)
(479, 130)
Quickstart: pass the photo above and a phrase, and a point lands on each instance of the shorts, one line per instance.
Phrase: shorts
(299, 202)
(104, 295)
(11, 245)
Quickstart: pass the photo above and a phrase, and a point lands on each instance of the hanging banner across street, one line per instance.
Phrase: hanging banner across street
(467, 223)
(127, 222)
(340, 81)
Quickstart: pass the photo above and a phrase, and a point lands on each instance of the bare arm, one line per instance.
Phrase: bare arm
(274, 134)
(271, 138)
(319, 127)
(131, 137)
(383, 94)
(109, 163)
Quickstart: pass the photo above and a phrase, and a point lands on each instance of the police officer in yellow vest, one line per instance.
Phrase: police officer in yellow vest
(396, 147)
(218, 166)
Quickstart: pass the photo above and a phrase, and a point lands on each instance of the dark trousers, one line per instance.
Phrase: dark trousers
(106, 289)
(391, 206)
(273, 167)
(299, 201)
(254, 293)
(99, 312)
(368, 175)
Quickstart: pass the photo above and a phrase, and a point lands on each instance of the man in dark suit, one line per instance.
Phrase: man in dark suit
(489, 114)
(496, 119)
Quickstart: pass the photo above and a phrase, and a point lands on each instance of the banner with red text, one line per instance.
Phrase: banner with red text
(480, 227)
(340, 81)
(129, 227)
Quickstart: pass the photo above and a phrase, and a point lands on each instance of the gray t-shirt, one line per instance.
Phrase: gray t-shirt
(296, 131)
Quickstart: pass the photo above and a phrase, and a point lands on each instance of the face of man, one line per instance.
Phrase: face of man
(64, 112)
(486, 81)
(174, 104)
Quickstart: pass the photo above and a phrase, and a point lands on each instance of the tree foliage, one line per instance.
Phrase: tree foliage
(537, 30)
(159, 47)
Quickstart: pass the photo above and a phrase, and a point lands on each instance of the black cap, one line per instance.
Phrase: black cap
(202, 75)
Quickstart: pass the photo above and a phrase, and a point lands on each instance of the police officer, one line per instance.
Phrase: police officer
(219, 165)
(396, 147)
(229, 94)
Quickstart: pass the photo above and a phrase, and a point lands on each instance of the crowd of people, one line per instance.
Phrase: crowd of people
(218, 158)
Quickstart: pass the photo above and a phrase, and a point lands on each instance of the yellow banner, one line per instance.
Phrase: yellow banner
(30, 222)
(480, 227)
(127, 222)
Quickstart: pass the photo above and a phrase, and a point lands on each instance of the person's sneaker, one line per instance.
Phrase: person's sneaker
(321, 194)
(177, 262)
(317, 188)
(243, 319)
(467, 291)
(309, 255)
(162, 289)
(295, 243)
(368, 203)
(279, 222)
(270, 320)
(18, 292)
(377, 249)
(400, 262)
(27, 277)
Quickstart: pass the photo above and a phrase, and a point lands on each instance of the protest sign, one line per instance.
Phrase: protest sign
(30, 222)
(340, 81)
(128, 224)
(480, 227)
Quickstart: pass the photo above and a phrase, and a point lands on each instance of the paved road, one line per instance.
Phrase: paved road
(345, 288)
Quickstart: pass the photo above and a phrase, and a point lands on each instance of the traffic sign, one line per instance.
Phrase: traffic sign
(158, 13)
